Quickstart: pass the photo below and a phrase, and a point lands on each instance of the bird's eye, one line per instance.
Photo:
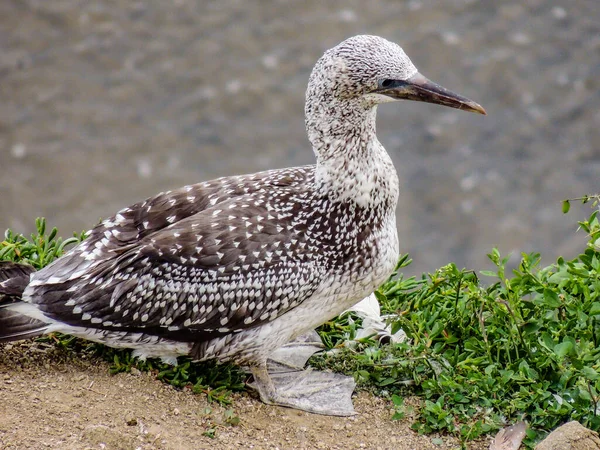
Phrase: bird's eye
(387, 83)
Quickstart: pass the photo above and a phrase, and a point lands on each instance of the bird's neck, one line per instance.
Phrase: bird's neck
(352, 165)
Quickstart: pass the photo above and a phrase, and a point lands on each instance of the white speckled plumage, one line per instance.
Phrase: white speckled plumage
(234, 268)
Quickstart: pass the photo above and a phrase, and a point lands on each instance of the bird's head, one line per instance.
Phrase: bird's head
(373, 70)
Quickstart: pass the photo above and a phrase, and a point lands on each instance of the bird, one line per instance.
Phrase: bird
(234, 268)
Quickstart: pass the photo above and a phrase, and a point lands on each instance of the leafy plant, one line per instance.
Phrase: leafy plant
(399, 408)
(524, 346)
(38, 251)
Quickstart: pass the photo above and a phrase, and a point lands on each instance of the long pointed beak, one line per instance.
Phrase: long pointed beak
(421, 89)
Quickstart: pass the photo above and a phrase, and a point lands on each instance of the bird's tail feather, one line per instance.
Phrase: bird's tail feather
(14, 278)
(14, 325)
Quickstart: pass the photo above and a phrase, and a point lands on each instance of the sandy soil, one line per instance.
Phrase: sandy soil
(55, 399)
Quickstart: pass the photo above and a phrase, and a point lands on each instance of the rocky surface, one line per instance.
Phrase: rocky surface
(570, 436)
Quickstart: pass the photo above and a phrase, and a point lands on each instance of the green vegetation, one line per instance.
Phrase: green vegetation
(482, 353)
(40, 249)
(524, 346)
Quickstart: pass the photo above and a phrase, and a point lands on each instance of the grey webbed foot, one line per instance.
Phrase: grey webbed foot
(308, 390)
(283, 381)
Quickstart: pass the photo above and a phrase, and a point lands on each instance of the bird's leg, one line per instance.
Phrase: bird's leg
(307, 390)
(263, 383)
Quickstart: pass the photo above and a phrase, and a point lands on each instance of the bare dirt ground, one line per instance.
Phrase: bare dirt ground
(54, 399)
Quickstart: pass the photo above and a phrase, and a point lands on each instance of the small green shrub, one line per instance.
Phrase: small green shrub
(40, 249)
(524, 346)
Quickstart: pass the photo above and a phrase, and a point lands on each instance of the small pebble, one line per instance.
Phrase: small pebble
(144, 168)
(520, 38)
(559, 13)
(434, 130)
(130, 420)
(347, 15)
(233, 86)
(18, 151)
(450, 38)
(270, 61)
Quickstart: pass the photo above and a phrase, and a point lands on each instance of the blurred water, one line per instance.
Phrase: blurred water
(103, 103)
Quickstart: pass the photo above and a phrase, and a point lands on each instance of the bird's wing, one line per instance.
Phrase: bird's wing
(224, 269)
(132, 224)
(144, 218)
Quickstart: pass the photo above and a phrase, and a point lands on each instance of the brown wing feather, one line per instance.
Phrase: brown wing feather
(233, 265)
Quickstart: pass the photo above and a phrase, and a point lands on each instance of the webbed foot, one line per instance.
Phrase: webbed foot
(307, 390)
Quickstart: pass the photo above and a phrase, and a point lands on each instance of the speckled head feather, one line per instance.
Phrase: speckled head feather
(354, 67)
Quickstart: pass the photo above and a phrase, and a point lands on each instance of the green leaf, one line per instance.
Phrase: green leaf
(566, 206)
(551, 298)
(488, 273)
(387, 381)
(595, 309)
(589, 373)
(380, 297)
(398, 415)
(563, 349)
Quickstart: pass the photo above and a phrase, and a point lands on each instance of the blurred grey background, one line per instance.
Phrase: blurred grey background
(104, 103)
